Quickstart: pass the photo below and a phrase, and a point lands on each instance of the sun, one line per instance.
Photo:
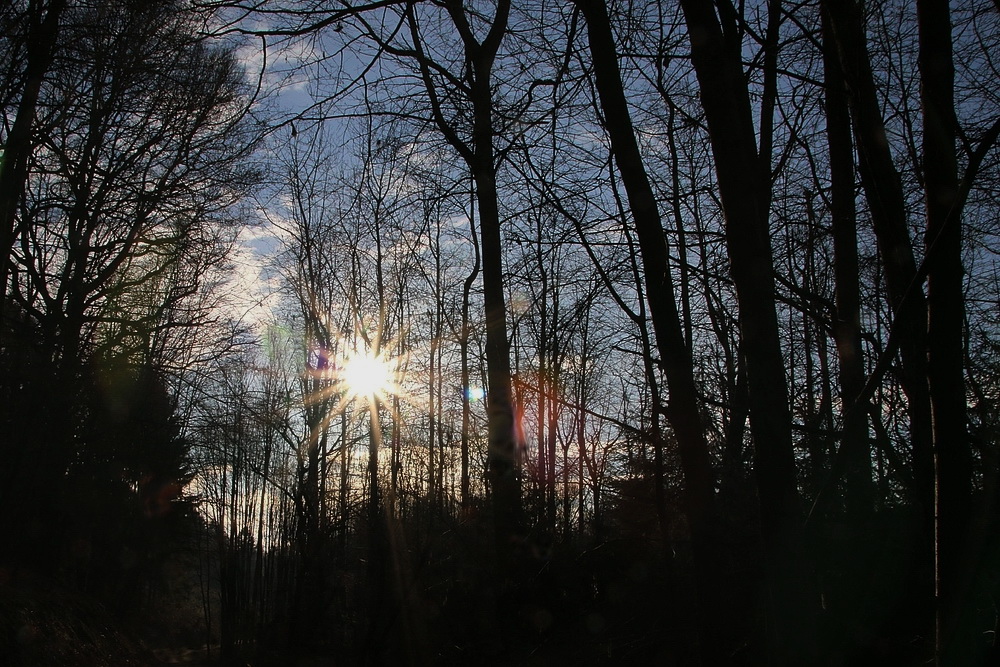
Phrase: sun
(368, 376)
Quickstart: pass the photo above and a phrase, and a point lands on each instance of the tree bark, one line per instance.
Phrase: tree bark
(503, 473)
(464, 353)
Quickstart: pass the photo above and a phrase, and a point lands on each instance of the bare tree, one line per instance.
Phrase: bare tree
(40, 28)
(744, 173)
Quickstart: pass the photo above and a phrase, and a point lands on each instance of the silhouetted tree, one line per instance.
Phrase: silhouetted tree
(744, 173)
(136, 157)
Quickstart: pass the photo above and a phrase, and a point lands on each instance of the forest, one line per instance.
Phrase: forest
(499, 332)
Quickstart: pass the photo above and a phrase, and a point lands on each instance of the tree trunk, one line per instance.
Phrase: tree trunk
(503, 473)
(847, 328)
(945, 323)
(746, 203)
(464, 352)
(884, 192)
(682, 410)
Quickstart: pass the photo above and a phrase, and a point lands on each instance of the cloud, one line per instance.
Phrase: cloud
(286, 64)
(253, 284)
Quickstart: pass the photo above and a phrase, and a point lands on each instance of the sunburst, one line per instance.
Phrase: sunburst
(355, 374)
(370, 376)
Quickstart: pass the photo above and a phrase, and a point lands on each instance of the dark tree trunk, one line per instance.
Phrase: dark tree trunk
(431, 423)
(478, 153)
(682, 410)
(883, 189)
(884, 192)
(945, 322)
(503, 472)
(543, 387)
(847, 328)
(855, 450)
(309, 583)
(745, 187)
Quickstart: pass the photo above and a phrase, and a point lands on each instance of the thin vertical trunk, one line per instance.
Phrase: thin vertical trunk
(342, 499)
(261, 592)
(813, 438)
(683, 277)
(431, 423)
(464, 353)
(565, 488)
(439, 418)
(734, 480)
(395, 443)
(374, 444)
(552, 425)
(825, 412)
(581, 424)
(884, 192)
(541, 350)
(550, 351)
(945, 323)
(847, 328)
(503, 472)
(394, 458)
(378, 568)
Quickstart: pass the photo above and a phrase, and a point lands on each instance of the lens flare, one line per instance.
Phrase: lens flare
(368, 376)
